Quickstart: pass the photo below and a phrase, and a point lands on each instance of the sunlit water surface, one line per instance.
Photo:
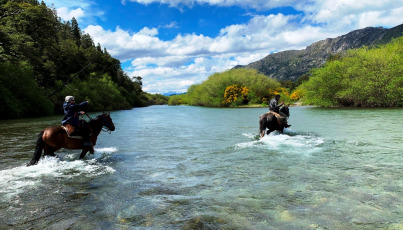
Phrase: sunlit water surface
(205, 168)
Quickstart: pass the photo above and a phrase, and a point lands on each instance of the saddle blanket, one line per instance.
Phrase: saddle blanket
(278, 115)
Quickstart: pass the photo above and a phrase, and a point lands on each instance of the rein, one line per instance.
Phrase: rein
(104, 129)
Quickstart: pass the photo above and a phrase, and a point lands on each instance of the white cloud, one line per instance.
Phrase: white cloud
(256, 4)
(383, 18)
(66, 14)
(83, 10)
(170, 25)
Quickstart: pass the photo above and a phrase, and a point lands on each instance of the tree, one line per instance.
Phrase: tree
(75, 31)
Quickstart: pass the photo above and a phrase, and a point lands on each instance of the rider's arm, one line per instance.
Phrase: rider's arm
(77, 107)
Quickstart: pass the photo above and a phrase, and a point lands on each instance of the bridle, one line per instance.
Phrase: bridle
(104, 128)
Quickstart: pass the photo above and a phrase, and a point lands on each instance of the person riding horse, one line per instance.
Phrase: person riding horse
(275, 107)
(71, 119)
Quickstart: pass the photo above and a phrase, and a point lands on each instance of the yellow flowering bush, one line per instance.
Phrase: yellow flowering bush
(297, 94)
(235, 94)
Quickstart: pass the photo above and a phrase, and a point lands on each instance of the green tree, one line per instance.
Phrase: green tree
(20, 95)
(75, 31)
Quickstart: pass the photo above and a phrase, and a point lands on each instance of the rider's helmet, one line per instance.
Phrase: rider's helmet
(277, 96)
(69, 98)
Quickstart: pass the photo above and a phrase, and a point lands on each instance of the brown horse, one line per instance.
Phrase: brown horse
(54, 138)
(272, 123)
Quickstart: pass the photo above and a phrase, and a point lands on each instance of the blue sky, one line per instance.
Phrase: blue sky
(173, 44)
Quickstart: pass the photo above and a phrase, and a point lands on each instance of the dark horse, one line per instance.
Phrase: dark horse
(55, 137)
(271, 122)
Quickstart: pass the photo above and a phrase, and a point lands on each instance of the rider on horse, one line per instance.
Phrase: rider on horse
(275, 107)
(71, 119)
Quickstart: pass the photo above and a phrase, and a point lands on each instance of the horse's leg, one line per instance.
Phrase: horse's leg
(270, 124)
(269, 131)
(49, 151)
(38, 150)
(82, 155)
(262, 125)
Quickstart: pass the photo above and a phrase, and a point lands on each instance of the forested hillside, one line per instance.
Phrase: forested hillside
(43, 59)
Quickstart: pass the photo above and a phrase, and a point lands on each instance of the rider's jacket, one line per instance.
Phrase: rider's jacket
(71, 113)
(274, 105)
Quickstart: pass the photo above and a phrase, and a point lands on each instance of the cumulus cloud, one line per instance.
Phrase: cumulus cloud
(191, 58)
(83, 10)
(174, 65)
(66, 14)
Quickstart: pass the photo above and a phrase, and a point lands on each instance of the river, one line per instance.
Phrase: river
(184, 167)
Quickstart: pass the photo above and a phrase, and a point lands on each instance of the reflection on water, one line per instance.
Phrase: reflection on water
(201, 168)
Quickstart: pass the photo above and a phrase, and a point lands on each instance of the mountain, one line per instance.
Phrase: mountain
(291, 64)
(171, 93)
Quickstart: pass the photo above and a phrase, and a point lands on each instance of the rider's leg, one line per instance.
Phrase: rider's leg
(85, 130)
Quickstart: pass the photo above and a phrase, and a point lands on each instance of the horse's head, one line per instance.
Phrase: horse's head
(107, 121)
(285, 110)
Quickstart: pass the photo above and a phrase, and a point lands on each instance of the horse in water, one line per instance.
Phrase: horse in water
(54, 138)
(272, 122)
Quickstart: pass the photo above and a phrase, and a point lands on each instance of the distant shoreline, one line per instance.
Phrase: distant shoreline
(266, 106)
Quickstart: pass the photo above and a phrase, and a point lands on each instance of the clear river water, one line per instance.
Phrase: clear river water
(183, 167)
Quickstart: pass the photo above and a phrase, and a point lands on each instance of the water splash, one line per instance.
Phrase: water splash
(293, 141)
(16, 180)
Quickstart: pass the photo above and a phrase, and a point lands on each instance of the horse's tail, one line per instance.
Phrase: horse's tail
(38, 150)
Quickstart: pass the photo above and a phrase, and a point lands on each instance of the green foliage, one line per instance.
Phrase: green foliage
(363, 77)
(180, 99)
(101, 92)
(157, 99)
(20, 94)
(53, 51)
(288, 84)
(211, 92)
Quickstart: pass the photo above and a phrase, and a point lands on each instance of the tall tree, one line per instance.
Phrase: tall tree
(75, 31)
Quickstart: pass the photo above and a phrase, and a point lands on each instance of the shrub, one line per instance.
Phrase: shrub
(212, 91)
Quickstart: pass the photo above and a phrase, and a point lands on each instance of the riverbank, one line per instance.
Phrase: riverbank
(264, 106)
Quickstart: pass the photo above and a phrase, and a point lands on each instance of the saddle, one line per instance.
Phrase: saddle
(280, 119)
(276, 114)
(72, 132)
